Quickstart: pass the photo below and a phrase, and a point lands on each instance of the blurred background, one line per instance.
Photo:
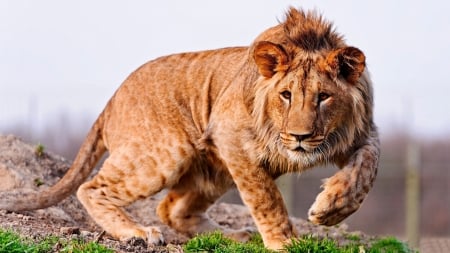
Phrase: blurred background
(60, 62)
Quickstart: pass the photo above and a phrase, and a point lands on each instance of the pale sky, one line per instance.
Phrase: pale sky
(70, 56)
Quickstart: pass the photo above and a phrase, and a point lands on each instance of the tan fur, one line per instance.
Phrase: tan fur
(199, 123)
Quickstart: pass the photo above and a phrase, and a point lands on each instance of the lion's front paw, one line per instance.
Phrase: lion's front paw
(337, 201)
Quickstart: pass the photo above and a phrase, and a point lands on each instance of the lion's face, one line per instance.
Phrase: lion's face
(310, 101)
(306, 107)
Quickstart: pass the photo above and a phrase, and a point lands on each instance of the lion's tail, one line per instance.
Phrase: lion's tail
(90, 152)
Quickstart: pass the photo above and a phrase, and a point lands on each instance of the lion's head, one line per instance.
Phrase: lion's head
(312, 99)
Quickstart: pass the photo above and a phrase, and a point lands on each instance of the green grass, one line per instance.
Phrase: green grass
(217, 243)
(389, 244)
(353, 237)
(79, 246)
(39, 150)
(11, 242)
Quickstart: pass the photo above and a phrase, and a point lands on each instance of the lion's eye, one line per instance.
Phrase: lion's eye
(323, 96)
(286, 94)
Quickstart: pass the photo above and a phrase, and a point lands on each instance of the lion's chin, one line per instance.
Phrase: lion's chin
(301, 156)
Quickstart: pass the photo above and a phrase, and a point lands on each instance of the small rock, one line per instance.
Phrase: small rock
(136, 241)
(69, 230)
(172, 248)
(27, 218)
(85, 233)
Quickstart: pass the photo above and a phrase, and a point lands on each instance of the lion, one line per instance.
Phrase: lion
(199, 123)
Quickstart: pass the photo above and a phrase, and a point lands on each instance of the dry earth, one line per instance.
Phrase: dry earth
(22, 166)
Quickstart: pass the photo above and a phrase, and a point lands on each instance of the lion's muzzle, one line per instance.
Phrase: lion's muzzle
(301, 143)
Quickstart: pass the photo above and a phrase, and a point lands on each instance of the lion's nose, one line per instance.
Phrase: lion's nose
(302, 136)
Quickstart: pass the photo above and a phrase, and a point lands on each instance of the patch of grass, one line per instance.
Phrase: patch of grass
(217, 243)
(353, 237)
(39, 150)
(313, 244)
(389, 244)
(80, 246)
(11, 242)
(38, 182)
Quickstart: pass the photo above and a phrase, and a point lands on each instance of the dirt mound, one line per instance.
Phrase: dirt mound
(26, 166)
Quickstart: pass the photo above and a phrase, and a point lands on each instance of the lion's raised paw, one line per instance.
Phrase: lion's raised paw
(335, 203)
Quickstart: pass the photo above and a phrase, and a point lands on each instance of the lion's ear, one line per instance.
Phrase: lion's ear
(347, 62)
(270, 58)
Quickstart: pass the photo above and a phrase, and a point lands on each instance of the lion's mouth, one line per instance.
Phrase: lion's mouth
(306, 147)
(301, 146)
(299, 149)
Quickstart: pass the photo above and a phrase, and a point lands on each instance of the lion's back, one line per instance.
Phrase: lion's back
(176, 90)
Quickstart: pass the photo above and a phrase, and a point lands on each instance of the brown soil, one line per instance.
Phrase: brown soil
(22, 167)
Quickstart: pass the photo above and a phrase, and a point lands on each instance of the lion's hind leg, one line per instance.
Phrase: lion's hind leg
(125, 177)
(184, 210)
(106, 210)
(104, 199)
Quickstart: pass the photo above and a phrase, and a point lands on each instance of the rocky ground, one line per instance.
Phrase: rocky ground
(28, 166)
